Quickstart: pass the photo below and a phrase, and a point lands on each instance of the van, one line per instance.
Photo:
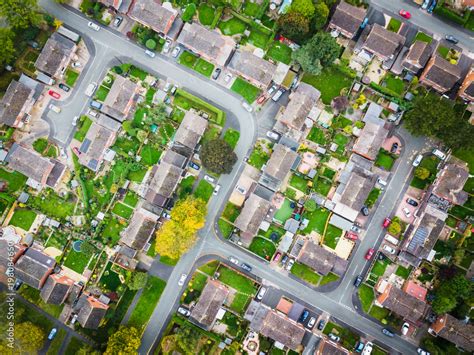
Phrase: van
(439, 154)
(91, 89)
(391, 239)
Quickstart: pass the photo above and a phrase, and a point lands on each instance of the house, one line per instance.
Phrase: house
(415, 290)
(417, 56)
(140, 229)
(157, 15)
(16, 104)
(247, 182)
(114, 4)
(278, 167)
(125, 258)
(9, 255)
(252, 215)
(383, 43)
(466, 92)
(56, 289)
(370, 140)
(254, 69)
(284, 331)
(440, 74)
(328, 347)
(450, 183)
(95, 145)
(55, 56)
(455, 331)
(164, 178)
(321, 260)
(347, 19)
(34, 268)
(301, 102)
(212, 297)
(121, 98)
(408, 307)
(90, 311)
(190, 131)
(210, 45)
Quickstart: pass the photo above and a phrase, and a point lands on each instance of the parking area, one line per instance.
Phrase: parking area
(406, 211)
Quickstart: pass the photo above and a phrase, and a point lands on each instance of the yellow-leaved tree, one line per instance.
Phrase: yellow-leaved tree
(179, 234)
(124, 341)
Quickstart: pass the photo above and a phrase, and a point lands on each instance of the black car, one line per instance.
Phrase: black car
(365, 211)
(358, 281)
(216, 73)
(388, 332)
(64, 87)
(246, 267)
(194, 165)
(394, 148)
(321, 324)
(303, 316)
(412, 202)
(452, 39)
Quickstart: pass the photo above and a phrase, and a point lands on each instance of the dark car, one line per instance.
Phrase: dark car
(452, 39)
(285, 259)
(388, 332)
(194, 165)
(358, 281)
(394, 148)
(321, 324)
(216, 73)
(64, 87)
(412, 202)
(303, 316)
(246, 267)
(365, 211)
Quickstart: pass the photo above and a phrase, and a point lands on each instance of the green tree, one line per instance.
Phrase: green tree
(394, 228)
(422, 173)
(294, 26)
(321, 13)
(20, 14)
(443, 304)
(303, 7)
(29, 338)
(7, 49)
(218, 156)
(156, 114)
(310, 205)
(189, 12)
(187, 339)
(124, 341)
(137, 280)
(320, 51)
(150, 44)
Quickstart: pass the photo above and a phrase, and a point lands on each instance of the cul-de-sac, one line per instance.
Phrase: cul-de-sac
(242, 177)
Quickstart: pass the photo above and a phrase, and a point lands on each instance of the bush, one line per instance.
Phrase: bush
(189, 12)
(310, 205)
(150, 44)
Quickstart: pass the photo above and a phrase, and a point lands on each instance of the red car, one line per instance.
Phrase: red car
(351, 236)
(54, 94)
(261, 99)
(386, 222)
(277, 256)
(369, 254)
(405, 14)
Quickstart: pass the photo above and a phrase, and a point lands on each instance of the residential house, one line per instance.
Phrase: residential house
(95, 146)
(440, 74)
(125, 257)
(417, 56)
(246, 184)
(408, 307)
(209, 44)
(34, 268)
(383, 43)
(321, 259)
(157, 15)
(370, 140)
(284, 331)
(450, 183)
(190, 131)
(276, 171)
(254, 69)
(466, 92)
(90, 311)
(211, 300)
(56, 289)
(455, 331)
(55, 56)
(16, 104)
(121, 98)
(251, 217)
(9, 255)
(415, 290)
(301, 102)
(328, 347)
(347, 19)
(140, 229)
(113, 4)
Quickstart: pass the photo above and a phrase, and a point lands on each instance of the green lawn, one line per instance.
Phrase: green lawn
(322, 186)
(379, 312)
(273, 233)
(131, 199)
(373, 197)
(421, 36)
(284, 212)
(258, 38)
(305, 273)
(237, 281)
(138, 73)
(187, 101)
(262, 247)
(150, 155)
(341, 140)
(245, 89)
(203, 67)
(239, 303)
(317, 220)
(74, 346)
(348, 338)
(366, 296)
(384, 160)
(280, 52)
(186, 186)
(53, 205)
(231, 136)
(467, 155)
(15, 180)
(232, 26)
(231, 212)
(380, 266)
(443, 51)
(110, 279)
(403, 272)
(394, 84)
(317, 135)
(332, 236)
(258, 158)
(330, 82)
(328, 279)
(204, 190)
(77, 261)
(252, 9)
(206, 14)
(146, 304)
(299, 183)
(122, 210)
(23, 218)
(112, 230)
(225, 227)
(85, 124)
(101, 93)
(187, 59)
(212, 132)
(430, 163)
(210, 268)
(71, 77)
(328, 173)
(394, 25)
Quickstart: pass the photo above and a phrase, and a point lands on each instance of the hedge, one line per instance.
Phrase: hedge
(450, 15)
(220, 115)
(384, 90)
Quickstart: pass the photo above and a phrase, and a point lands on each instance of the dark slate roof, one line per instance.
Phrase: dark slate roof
(347, 17)
(56, 173)
(54, 51)
(56, 289)
(417, 56)
(443, 73)
(90, 311)
(12, 103)
(33, 268)
(382, 41)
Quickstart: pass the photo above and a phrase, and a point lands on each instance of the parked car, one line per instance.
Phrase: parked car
(167, 87)
(54, 108)
(194, 165)
(261, 293)
(149, 53)
(74, 120)
(452, 39)
(277, 256)
(388, 332)
(93, 113)
(17, 285)
(355, 228)
(233, 260)
(358, 281)
(422, 351)
(351, 236)
(432, 7)
(321, 324)
(369, 254)
(405, 328)
(76, 64)
(389, 249)
(176, 52)
(216, 73)
(273, 135)
(247, 106)
(64, 87)
(412, 202)
(359, 346)
(261, 99)
(405, 14)
(246, 267)
(365, 210)
(184, 311)
(311, 323)
(216, 189)
(94, 26)
(54, 94)
(304, 315)
(417, 160)
(439, 154)
(386, 222)
(394, 148)
(272, 89)
(182, 279)
(407, 212)
(368, 348)
(52, 333)
(285, 259)
(334, 337)
(209, 179)
(118, 20)
(228, 78)
(166, 215)
(74, 318)
(425, 4)
(95, 104)
(91, 89)
(278, 94)
(167, 46)
(290, 264)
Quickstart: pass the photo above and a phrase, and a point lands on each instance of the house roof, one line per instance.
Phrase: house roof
(383, 42)
(281, 161)
(190, 130)
(90, 311)
(327, 347)
(140, 229)
(405, 305)
(455, 331)
(97, 140)
(120, 98)
(29, 163)
(370, 140)
(173, 158)
(253, 68)
(356, 189)
(212, 297)
(283, 330)
(451, 182)
(34, 267)
(321, 260)
(54, 52)
(13, 102)
(284, 305)
(252, 215)
(6, 256)
(442, 73)
(56, 289)
(210, 44)
(56, 173)
(417, 56)
(164, 179)
(112, 3)
(415, 290)
(467, 88)
(154, 14)
(347, 18)
(299, 106)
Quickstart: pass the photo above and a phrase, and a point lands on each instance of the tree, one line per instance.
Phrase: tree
(178, 234)
(7, 49)
(321, 13)
(20, 14)
(443, 304)
(434, 116)
(394, 228)
(218, 156)
(189, 12)
(310, 205)
(126, 340)
(156, 114)
(150, 44)
(303, 7)
(452, 289)
(29, 338)
(137, 280)
(320, 51)
(187, 339)
(294, 26)
(422, 173)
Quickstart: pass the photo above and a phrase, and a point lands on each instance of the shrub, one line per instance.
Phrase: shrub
(310, 205)
(189, 12)
(150, 44)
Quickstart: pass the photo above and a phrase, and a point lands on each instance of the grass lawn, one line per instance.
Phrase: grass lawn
(322, 186)
(384, 160)
(443, 51)
(212, 132)
(305, 273)
(332, 236)
(122, 210)
(206, 14)
(77, 260)
(348, 339)
(71, 77)
(15, 180)
(380, 266)
(110, 279)
(101, 93)
(330, 82)
(284, 212)
(245, 89)
(373, 197)
(186, 186)
(150, 155)
(379, 312)
(317, 135)
(137, 176)
(262, 247)
(252, 9)
(187, 101)
(280, 52)
(239, 303)
(74, 346)
(237, 281)
(231, 136)
(168, 261)
(299, 182)
(131, 199)
(273, 233)
(394, 84)
(328, 279)
(421, 36)
(225, 227)
(57, 342)
(317, 220)
(203, 67)
(85, 124)
(328, 173)
(138, 73)
(210, 268)
(394, 25)
(341, 140)
(258, 38)
(403, 272)
(258, 158)
(112, 230)
(204, 190)
(366, 296)
(231, 212)
(187, 59)
(468, 156)
(53, 205)
(232, 26)
(430, 163)
(23, 218)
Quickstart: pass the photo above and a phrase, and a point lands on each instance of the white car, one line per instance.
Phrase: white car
(278, 94)
(261, 293)
(407, 212)
(209, 179)
(311, 323)
(182, 279)
(273, 135)
(216, 190)
(247, 107)
(167, 87)
(175, 52)
(417, 160)
(76, 64)
(228, 78)
(272, 90)
(290, 264)
(233, 260)
(367, 348)
(74, 120)
(93, 113)
(184, 311)
(438, 153)
(54, 108)
(405, 328)
(167, 46)
(91, 89)
(389, 249)
(94, 26)
(149, 53)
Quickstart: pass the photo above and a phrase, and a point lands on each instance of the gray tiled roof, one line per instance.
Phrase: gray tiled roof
(29, 163)
(151, 13)
(13, 102)
(33, 268)
(190, 130)
(347, 18)
(383, 42)
(252, 215)
(252, 67)
(54, 53)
